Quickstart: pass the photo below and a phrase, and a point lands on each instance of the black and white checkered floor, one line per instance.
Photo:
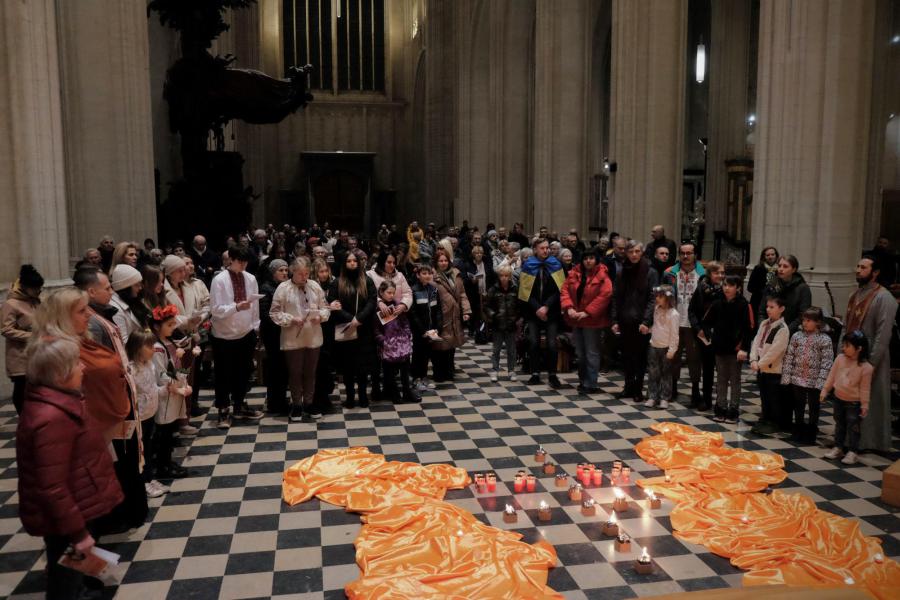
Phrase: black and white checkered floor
(225, 533)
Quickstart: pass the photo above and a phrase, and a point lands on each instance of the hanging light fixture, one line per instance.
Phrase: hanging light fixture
(701, 61)
(337, 8)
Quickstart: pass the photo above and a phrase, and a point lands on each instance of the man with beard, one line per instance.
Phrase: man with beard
(684, 277)
(540, 283)
(872, 309)
(632, 315)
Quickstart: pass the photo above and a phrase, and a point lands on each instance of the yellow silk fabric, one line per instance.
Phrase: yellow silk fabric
(414, 545)
(785, 539)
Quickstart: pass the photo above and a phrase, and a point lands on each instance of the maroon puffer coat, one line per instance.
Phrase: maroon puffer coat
(66, 475)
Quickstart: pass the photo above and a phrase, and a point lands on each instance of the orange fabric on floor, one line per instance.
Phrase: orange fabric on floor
(778, 538)
(414, 545)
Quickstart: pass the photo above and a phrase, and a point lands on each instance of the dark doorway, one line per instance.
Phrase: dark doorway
(340, 198)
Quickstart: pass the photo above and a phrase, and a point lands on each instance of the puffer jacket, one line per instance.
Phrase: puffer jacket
(454, 305)
(501, 307)
(16, 316)
(426, 313)
(66, 475)
(595, 298)
(769, 346)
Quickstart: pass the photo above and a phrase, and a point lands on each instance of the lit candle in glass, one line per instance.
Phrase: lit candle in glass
(543, 511)
(655, 502)
(879, 558)
(611, 527)
(645, 556)
(644, 565)
(589, 508)
(509, 514)
(620, 503)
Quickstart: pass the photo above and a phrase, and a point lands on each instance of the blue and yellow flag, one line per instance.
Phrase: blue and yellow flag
(530, 270)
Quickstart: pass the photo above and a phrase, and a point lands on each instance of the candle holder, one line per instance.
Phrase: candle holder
(643, 565)
(579, 470)
(620, 504)
(519, 482)
(589, 508)
(668, 479)
(575, 492)
(617, 464)
(654, 500)
(623, 543)
(544, 513)
(626, 475)
(549, 468)
(491, 482)
(614, 475)
(480, 483)
(510, 515)
(611, 527)
(597, 478)
(530, 483)
(540, 455)
(585, 478)
(562, 480)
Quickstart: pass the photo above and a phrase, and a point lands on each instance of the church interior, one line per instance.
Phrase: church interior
(735, 126)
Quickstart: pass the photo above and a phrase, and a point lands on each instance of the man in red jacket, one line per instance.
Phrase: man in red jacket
(585, 300)
(66, 476)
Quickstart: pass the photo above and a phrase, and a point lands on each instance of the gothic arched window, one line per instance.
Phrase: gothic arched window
(342, 39)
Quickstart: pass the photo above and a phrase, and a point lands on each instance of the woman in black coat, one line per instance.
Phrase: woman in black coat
(321, 272)
(354, 334)
(479, 278)
(762, 275)
(274, 365)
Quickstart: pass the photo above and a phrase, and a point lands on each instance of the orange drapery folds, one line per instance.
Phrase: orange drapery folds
(413, 544)
(778, 538)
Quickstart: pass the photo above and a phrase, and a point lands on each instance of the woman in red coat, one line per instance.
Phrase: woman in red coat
(66, 475)
(585, 302)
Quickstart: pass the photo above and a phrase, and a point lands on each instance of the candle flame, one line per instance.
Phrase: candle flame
(651, 494)
(645, 557)
(849, 581)
(745, 519)
(619, 493)
(459, 532)
(543, 505)
(612, 519)
(510, 509)
(668, 479)
(879, 557)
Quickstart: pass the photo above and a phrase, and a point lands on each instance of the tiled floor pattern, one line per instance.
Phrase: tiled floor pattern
(225, 533)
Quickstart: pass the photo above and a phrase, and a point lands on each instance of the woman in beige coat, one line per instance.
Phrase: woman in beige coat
(455, 311)
(16, 317)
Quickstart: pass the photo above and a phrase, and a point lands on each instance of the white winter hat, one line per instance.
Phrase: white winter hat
(124, 276)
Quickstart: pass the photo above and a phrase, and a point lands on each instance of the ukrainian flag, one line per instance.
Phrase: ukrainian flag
(530, 270)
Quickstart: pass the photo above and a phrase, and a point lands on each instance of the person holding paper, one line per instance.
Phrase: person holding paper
(66, 475)
(234, 304)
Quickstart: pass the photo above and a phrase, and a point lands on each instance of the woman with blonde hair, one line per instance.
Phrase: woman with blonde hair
(299, 308)
(126, 253)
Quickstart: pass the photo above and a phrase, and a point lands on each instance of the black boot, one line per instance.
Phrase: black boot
(350, 402)
(797, 432)
(696, 398)
(810, 433)
(718, 414)
(363, 397)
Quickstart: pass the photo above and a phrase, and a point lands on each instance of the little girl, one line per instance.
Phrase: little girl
(167, 359)
(806, 364)
(663, 346)
(851, 380)
(149, 390)
(394, 339)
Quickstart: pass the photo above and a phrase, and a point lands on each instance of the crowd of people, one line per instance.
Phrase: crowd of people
(106, 373)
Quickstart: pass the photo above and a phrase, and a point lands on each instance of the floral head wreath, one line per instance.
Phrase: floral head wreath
(161, 313)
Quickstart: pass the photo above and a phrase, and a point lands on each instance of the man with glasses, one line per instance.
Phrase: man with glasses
(684, 277)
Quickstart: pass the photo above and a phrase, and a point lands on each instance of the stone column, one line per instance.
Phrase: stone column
(647, 114)
(107, 120)
(729, 56)
(563, 46)
(815, 85)
(33, 201)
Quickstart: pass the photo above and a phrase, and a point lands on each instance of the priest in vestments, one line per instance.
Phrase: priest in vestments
(872, 309)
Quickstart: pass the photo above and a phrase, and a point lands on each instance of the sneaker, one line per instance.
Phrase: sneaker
(730, 420)
(164, 488)
(513, 376)
(421, 387)
(834, 453)
(650, 403)
(553, 381)
(429, 384)
(296, 414)
(152, 490)
(224, 418)
(495, 377)
(188, 431)
(664, 404)
(534, 379)
(315, 415)
(718, 418)
(850, 458)
(248, 414)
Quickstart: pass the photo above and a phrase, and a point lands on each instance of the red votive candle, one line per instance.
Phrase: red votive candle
(530, 483)
(519, 484)
(579, 470)
(491, 482)
(597, 478)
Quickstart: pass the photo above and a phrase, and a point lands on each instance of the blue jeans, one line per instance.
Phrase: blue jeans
(587, 346)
